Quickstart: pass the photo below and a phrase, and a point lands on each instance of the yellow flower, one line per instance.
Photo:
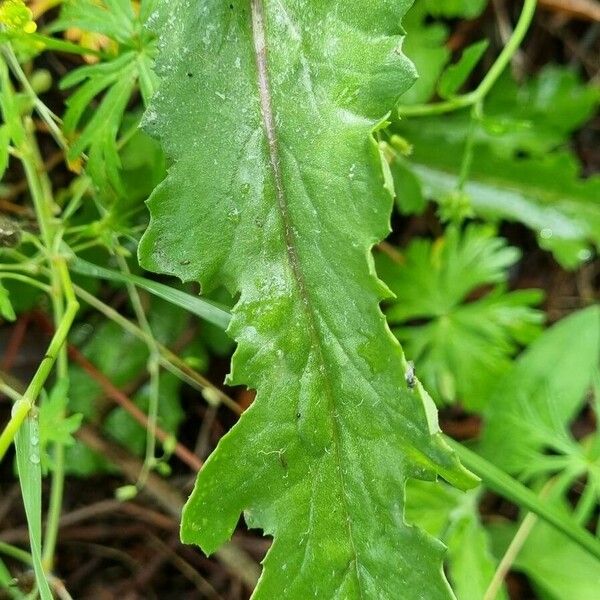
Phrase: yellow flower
(15, 16)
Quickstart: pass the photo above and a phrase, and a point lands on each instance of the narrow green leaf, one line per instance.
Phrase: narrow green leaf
(266, 109)
(205, 309)
(505, 485)
(457, 74)
(27, 444)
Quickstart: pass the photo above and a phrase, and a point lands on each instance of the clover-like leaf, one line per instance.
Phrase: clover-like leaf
(460, 344)
(266, 109)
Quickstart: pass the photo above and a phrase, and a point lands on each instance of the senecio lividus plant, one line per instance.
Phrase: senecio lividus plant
(269, 111)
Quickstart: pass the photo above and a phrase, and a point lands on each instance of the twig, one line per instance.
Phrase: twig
(189, 458)
(238, 562)
(581, 9)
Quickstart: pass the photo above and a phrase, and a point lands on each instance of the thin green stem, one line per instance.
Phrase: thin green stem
(64, 302)
(58, 475)
(28, 280)
(482, 90)
(17, 553)
(168, 359)
(153, 371)
(24, 404)
(505, 485)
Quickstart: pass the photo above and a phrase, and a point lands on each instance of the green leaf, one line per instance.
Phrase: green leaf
(460, 345)
(6, 308)
(114, 19)
(520, 169)
(456, 75)
(534, 403)
(557, 567)
(453, 516)
(275, 190)
(116, 79)
(27, 444)
(55, 426)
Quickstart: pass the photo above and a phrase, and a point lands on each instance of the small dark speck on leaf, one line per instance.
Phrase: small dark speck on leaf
(231, 6)
(283, 460)
(189, 74)
(298, 415)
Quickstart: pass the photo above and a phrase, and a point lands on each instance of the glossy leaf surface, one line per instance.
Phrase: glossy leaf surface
(276, 190)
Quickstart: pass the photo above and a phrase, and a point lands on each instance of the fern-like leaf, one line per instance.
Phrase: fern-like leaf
(267, 109)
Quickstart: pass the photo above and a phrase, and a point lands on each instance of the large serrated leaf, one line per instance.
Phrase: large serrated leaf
(267, 109)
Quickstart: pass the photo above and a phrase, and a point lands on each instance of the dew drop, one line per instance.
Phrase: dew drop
(584, 254)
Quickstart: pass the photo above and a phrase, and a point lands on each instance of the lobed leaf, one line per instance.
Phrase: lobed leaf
(116, 79)
(267, 110)
(453, 315)
(533, 404)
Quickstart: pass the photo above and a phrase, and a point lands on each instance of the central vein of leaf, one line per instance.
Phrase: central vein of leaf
(260, 49)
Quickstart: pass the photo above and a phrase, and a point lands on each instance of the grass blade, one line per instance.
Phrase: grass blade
(209, 311)
(27, 443)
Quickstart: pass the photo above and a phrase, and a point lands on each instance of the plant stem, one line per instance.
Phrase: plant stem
(482, 90)
(169, 360)
(515, 546)
(22, 406)
(505, 485)
(17, 553)
(153, 371)
(28, 280)
(64, 302)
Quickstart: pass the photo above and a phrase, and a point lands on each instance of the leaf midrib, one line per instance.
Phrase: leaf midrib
(266, 106)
